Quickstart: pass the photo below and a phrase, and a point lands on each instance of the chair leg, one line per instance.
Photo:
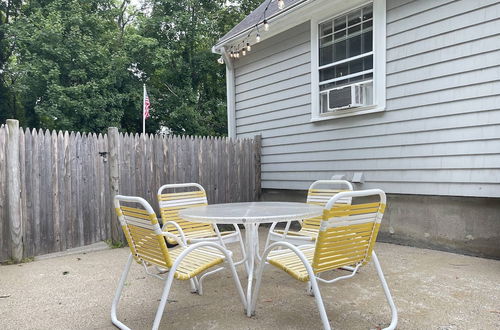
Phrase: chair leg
(388, 296)
(200, 282)
(319, 302)
(164, 299)
(194, 287)
(118, 294)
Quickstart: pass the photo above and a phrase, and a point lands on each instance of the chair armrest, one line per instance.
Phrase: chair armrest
(179, 229)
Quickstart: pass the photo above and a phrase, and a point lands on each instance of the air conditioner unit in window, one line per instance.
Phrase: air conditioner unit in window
(347, 97)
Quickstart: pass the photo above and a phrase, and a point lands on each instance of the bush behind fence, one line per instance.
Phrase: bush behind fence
(67, 180)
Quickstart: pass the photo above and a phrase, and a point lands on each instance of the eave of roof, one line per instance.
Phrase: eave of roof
(256, 17)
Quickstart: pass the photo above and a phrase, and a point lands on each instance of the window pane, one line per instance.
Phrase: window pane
(354, 17)
(325, 28)
(325, 41)
(367, 41)
(341, 70)
(339, 51)
(327, 86)
(368, 63)
(354, 46)
(340, 23)
(326, 55)
(356, 66)
(354, 30)
(340, 83)
(327, 74)
(340, 34)
(367, 25)
(367, 12)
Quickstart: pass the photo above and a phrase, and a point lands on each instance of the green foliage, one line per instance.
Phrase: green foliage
(114, 244)
(80, 65)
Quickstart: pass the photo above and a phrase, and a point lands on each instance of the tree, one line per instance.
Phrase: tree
(80, 65)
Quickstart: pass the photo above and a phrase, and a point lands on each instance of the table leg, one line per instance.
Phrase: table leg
(251, 237)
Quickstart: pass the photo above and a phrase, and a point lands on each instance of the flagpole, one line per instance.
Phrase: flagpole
(144, 109)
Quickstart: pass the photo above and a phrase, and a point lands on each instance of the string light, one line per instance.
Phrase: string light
(241, 48)
(266, 25)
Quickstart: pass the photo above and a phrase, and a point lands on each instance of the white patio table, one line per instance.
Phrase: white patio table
(251, 215)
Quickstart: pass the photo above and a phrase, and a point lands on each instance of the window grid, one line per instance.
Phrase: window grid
(345, 52)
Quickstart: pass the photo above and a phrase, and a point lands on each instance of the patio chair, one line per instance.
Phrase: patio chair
(148, 247)
(191, 232)
(310, 227)
(346, 237)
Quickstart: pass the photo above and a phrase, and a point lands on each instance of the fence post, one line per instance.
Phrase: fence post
(257, 155)
(114, 180)
(14, 190)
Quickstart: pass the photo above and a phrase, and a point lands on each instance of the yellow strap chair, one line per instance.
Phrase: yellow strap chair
(347, 235)
(147, 245)
(319, 193)
(191, 232)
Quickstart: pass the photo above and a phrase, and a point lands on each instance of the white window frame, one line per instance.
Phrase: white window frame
(379, 62)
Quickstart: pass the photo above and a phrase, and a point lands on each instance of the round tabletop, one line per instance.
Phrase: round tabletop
(252, 212)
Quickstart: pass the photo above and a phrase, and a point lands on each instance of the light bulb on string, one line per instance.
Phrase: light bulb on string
(249, 48)
(266, 25)
(281, 4)
(243, 52)
(257, 38)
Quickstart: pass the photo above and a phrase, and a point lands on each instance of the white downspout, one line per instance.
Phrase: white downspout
(231, 95)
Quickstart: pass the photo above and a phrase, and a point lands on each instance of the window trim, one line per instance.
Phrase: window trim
(379, 62)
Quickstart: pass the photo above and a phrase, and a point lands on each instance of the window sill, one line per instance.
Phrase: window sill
(348, 113)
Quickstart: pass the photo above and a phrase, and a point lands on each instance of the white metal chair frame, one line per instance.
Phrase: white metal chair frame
(172, 270)
(295, 237)
(197, 285)
(314, 277)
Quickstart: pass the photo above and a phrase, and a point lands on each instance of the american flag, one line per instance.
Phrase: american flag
(146, 104)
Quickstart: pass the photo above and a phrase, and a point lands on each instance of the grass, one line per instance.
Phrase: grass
(114, 244)
(14, 262)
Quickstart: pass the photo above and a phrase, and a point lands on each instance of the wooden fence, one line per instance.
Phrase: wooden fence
(57, 193)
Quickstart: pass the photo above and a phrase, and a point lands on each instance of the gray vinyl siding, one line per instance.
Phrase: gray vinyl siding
(440, 133)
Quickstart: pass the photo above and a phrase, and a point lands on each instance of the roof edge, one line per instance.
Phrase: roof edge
(285, 11)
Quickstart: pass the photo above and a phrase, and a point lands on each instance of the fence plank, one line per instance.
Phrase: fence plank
(4, 227)
(22, 173)
(68, 190)
(14, 190)
(114, 176)
(74, 143)
(26, 188)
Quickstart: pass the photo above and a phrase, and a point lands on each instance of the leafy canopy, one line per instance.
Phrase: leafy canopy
(80, 65)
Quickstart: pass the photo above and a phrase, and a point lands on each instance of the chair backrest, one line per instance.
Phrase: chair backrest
(320, 192)
(142, 231)
(348, 232)
(172, 202)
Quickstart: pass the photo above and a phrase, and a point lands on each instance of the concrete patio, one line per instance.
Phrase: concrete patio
(432, 290)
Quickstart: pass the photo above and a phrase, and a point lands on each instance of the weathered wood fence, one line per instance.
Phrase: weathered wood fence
(56, 188)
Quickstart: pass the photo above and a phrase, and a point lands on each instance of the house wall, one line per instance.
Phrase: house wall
(440, 133)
